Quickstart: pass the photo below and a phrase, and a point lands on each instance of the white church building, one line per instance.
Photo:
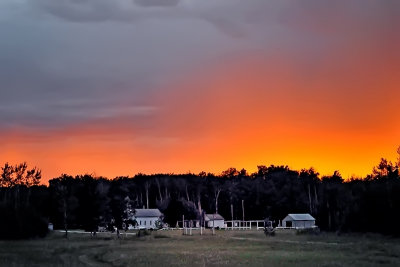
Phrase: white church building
(147, 218)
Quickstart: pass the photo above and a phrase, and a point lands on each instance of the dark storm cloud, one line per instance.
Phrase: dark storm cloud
(55, 73)
(45, 114)
(101, 10)
(96, 54)
(226, 16)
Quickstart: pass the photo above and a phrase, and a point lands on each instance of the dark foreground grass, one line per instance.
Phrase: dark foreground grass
(226, 248)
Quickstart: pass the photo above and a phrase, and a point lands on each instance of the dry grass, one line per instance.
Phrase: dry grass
(165, 248)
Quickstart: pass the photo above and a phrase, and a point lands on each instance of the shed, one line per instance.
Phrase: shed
(147, 218)
(215, 220)
(299, 221)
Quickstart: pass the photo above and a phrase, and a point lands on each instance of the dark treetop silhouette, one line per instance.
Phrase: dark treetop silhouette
(84, 201)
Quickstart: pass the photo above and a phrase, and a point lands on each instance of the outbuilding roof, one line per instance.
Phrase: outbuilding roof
(301, 217)
(210, 217)
(147, 213)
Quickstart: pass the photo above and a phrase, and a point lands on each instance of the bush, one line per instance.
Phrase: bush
(269, 231)
(143, 232)
(308, 231)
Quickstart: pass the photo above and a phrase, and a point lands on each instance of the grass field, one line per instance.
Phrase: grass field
(226, 248)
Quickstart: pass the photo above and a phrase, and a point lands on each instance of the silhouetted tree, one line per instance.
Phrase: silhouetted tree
(83, 201)
(21, 218)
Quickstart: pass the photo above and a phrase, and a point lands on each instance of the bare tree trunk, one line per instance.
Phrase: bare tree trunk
(316, 195)
(199, 203)
(213, 228)
(183, 224)
(232, 212)
(147, 186)
(65, 217)
(216, 194)
(243, 208)
(159, 189)
(166, 192)
(329, 217)
(187, 193)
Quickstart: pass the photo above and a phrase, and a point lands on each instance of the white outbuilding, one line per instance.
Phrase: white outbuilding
(147, 218)
(215, 220)
(299, 221)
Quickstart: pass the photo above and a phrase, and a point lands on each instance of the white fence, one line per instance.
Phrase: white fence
(229, 225)
(245, 225)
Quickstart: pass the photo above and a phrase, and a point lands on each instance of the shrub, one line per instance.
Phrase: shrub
(143, 232)
(308, 231)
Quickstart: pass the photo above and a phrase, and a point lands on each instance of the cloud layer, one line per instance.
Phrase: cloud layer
(200, 78)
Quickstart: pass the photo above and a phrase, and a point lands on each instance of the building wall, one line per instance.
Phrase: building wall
(298, 224)
(217, 223)
(147, 222)
(284, 222)
(303, 224)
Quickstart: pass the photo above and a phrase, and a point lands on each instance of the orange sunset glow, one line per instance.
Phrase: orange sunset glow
(304, 88)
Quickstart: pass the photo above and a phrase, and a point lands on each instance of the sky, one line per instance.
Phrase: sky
(114, 88)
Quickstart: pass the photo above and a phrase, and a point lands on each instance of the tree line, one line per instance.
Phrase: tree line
(368, 204)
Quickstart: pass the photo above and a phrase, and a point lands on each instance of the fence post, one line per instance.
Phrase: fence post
(183, 224)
